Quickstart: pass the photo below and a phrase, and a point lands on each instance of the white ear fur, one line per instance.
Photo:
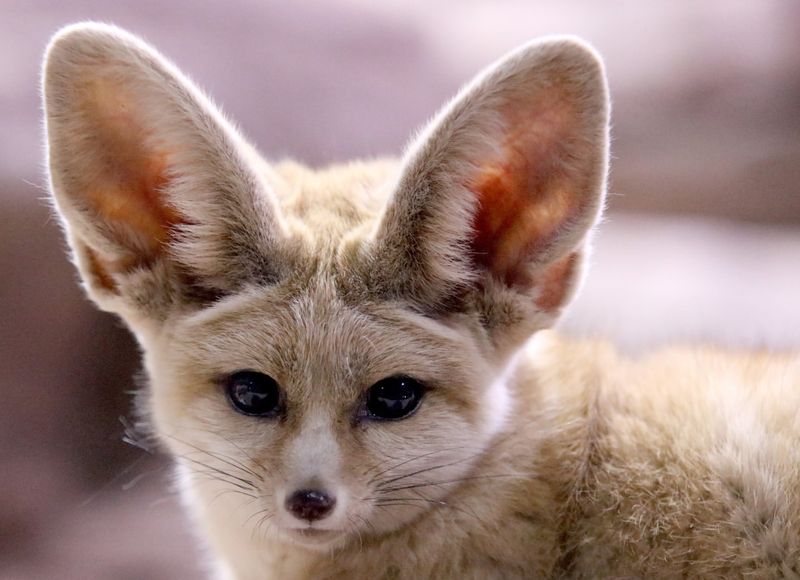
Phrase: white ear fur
(157, 190)
(501, 189)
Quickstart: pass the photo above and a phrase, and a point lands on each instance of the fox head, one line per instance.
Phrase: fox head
(326, 350)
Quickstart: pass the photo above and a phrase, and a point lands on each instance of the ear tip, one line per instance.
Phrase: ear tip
(572, 59)
(77, 49)
(573, 43)
(79, 33)
(567, 51)
(83, 41)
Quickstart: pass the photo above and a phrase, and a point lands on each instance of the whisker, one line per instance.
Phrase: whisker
(456, 480)
(267, 518)
(207, 469)
(406, 501)
(254, 514)
(118, 477)
(385, 506)
(211, 476)
(245, 452)
(364, 521)
(265, 515)
(227, 460)
(240, 449)
(243, 483)
(358, 531)
(382, 501)
(234, 491)
(131, 437)
(416, 458)
(426, 470)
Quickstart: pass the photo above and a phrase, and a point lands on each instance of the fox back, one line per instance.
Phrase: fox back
(339, 359)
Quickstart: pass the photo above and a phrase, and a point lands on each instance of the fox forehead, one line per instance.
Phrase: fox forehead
(327, 203)
(320, 348)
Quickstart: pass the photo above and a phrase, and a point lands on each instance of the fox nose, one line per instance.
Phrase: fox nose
(310, 504)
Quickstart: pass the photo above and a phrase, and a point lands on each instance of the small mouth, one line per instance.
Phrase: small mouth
(312, 535)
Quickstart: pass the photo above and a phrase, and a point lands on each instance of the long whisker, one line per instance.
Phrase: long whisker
(455, 480)
(238, 448)
(408, 501)
(266, 518)
(245, 452)
(234, 491)
(243, 483)
(227, 460)
(426, 470)
(355, 528)
(263, 513)
(415, 458)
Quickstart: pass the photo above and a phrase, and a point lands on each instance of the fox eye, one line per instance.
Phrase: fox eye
(254, 393)
(394, 398)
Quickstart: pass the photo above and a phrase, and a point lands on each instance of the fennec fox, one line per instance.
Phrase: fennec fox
(339, 359)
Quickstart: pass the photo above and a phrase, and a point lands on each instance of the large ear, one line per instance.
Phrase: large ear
(160, 197)
(497, 195)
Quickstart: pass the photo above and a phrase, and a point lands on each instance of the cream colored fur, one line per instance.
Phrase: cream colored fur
(526, 459)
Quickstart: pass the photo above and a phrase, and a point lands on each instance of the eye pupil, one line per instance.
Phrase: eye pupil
(394, 398)
(254, 393)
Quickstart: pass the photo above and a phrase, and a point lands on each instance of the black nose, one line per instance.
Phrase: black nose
(310, 504)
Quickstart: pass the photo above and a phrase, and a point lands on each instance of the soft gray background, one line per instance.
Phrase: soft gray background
(702, 241)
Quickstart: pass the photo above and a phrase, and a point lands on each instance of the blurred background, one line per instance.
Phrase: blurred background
(701, 243)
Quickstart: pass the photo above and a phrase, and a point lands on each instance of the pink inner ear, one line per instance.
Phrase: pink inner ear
(526, 196)
(133, 204)
(555, 282)
(127, 192)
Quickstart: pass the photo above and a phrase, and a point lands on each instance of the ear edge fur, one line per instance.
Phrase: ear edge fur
(586, 80)
(80, 45)
(581, 69)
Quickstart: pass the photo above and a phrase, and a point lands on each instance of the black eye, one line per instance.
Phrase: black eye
(394, 398)
(253, 393)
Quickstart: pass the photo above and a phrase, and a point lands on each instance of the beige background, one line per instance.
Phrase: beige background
(702, 241)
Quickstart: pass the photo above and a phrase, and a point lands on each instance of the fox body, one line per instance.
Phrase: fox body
(341, 360)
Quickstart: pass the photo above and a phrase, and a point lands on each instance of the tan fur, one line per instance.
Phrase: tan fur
(526, 459)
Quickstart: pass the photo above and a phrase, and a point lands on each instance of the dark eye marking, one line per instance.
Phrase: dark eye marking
(393, 398)
(253, 393)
